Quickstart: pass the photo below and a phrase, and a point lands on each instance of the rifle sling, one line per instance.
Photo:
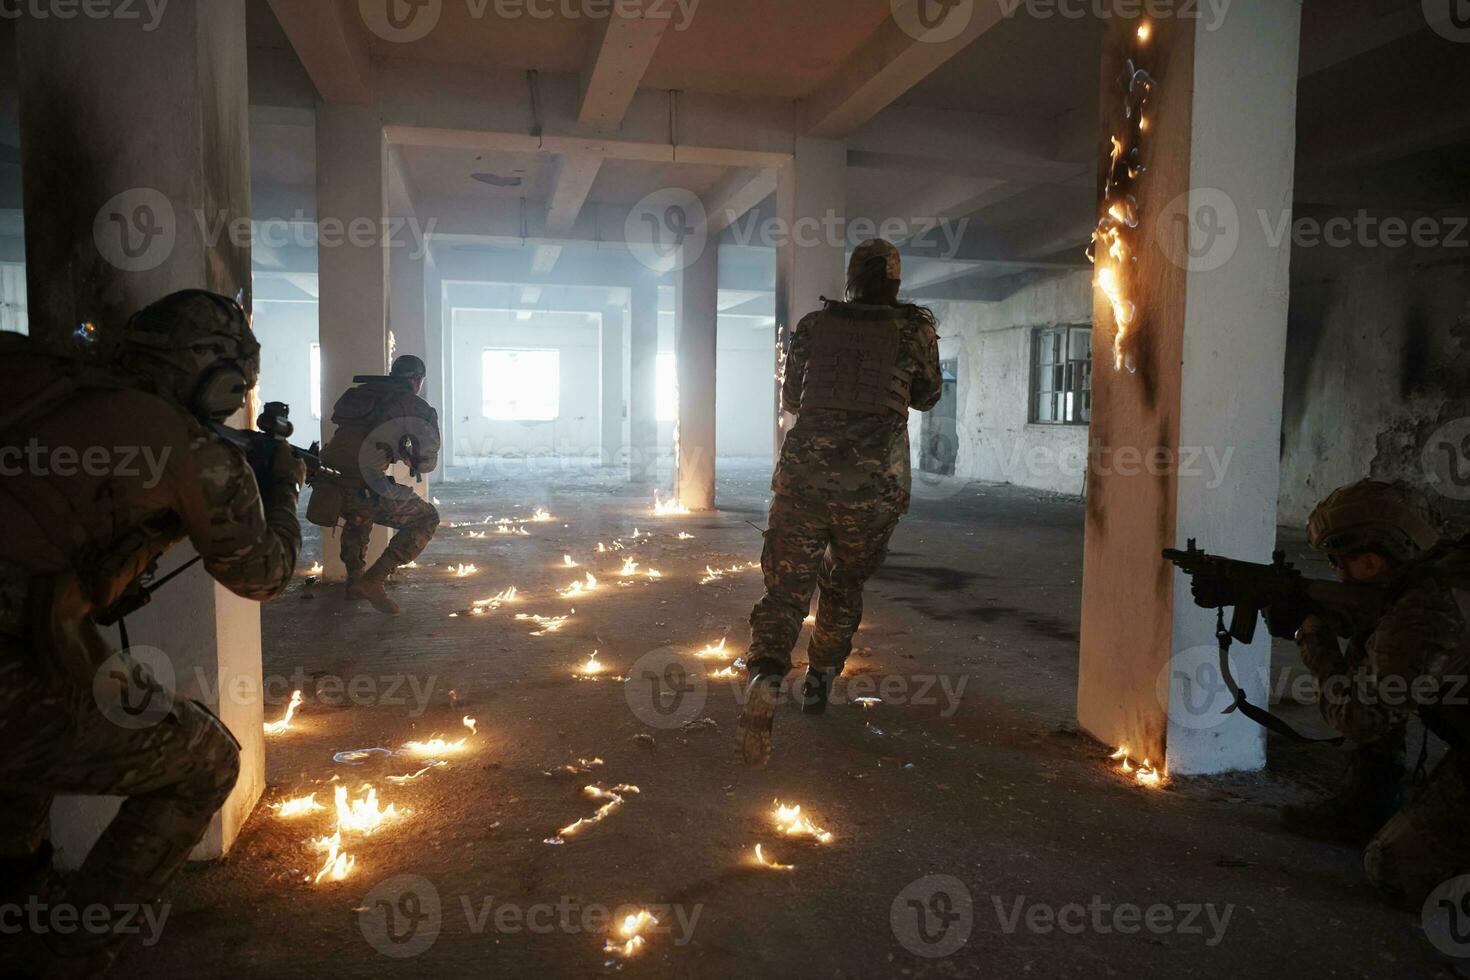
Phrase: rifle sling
(1260, 716)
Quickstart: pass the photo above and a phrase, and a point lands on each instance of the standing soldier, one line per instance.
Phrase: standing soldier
(78, 543)
(843, 481)
(380, 421)
(1415, 659)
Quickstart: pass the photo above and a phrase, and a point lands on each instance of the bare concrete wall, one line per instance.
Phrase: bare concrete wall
(992, 343)
(1378, 368)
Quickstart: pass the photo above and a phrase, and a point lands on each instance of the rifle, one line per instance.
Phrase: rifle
(406, 449)
(275, 427)
(1256, 590)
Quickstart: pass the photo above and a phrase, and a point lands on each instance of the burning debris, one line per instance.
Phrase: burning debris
(277, 727)
(579, 588)
(434, 747)
(765, 862)
(630, 935)
(685, 536)
(316, 569)
(338, 864)
(629, 569)
(410, 777)
(668, 508)
(615, 798)
(547, 624)
(298, 807)
(463, 571)
(592, 667)
(483, 606)
(1145, 774)
(715, 574)
(541, 516)
(725, 674)
(363, 816)
(789, 821)
(867, 702)
(470, 723)
(567, 561)
(715, 651)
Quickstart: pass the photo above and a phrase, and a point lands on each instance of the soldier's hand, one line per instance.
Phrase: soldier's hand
(1286, 618)
(1211, 592)
(286, 468)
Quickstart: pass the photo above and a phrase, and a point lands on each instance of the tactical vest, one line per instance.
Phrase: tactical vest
(371, 425)
(854, 361)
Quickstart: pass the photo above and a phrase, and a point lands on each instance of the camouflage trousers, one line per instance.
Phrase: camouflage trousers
(812, 544)
(1425, 844)
(174, 775)
(414, 519)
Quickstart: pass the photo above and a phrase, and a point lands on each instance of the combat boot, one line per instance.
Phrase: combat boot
(815, 688)
(1353, 815)
(370, 587)
(759, 714)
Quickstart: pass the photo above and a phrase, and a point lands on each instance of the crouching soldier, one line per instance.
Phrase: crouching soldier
(1414, 659)
(380, 422)
(78, 543)
(843, 481)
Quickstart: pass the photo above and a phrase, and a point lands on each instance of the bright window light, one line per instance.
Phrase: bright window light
(667, 379)
(316, 381)
(522, 385)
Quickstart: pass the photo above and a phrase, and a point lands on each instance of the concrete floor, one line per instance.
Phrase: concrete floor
(995, 788)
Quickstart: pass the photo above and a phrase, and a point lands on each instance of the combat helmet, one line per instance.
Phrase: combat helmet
(195, 348)
(1392, 519)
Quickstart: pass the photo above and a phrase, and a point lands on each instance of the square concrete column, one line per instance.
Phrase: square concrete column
(811, 257)
(137, 184)
(352, 262)
(643, 382)
(1188, 353)
(436, 356)
(613, 443)
(695, 324)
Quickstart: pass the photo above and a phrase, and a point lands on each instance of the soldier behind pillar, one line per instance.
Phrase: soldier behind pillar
(854, 371)
(78, 542)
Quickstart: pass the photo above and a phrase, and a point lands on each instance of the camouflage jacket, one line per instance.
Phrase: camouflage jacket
(101, 478)
(1415, 659)
(379, 424)
(855, 458)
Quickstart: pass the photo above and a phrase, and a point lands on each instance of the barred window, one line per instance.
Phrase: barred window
(1061, 376)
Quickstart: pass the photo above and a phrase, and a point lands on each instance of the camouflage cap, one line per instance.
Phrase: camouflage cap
(1393, 519)
(870, 251)
(185, 341)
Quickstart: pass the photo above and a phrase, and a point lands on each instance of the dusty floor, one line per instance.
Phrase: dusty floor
(994, 788)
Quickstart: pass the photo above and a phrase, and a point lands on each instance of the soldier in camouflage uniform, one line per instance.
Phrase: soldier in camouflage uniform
(381, 422)
(842, 483)
(78, 539)
(1416, 659)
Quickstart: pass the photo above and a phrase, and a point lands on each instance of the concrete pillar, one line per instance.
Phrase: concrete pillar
(137, 184)
(811, 258)
(1186, 432)
(612, 387)
(696, 319)
(643, 382)
(352, 268)
(436, 355)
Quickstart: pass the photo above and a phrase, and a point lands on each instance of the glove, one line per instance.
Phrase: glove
(1211, 592)
(286, 468)
(1286, 618)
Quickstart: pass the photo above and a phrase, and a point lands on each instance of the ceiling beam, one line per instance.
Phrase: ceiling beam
(889, 63)
(733, 197)
(622, 49)
(329, 43)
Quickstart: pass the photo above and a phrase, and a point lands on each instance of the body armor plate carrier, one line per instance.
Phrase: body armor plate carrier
(854, 361)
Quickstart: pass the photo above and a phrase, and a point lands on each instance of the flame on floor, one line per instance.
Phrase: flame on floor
(685, 536)
(579, 588)
(725, 674)
(668, 508)
(339, 864)
(630, 568)
(715, 651)
(276, 727)
(592, 667)
(463, 571)
(548, 624)
(790, 821)
(629, 937)
(1144, 774)
(365, 815)
(410, 777)
(541, 516)
(715, 574)
(867, 702)
(470, 724)
(767, 862)
(435, 746)
(493, 603)
(300, 806)
(568, 562)
(614, 798)
(315, 569)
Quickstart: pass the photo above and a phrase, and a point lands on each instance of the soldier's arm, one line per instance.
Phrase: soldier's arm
(427, 439)
(794, 376)
(248, 547)
(927, 384)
